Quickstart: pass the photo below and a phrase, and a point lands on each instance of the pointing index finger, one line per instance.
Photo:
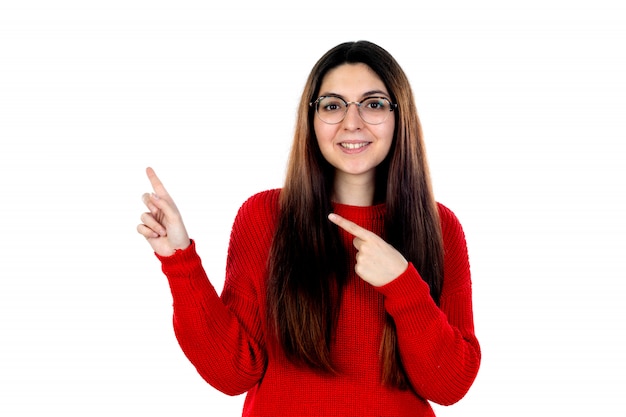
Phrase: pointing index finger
(157, 185)
(350, 227)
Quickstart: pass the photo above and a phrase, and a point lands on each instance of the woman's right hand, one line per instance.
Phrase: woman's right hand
(162, 225)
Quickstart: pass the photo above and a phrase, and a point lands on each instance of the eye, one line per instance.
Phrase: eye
(375, 104)
(331, 104)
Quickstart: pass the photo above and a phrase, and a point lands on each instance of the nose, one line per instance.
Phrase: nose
(352, 120)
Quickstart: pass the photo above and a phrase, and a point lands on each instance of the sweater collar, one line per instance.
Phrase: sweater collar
(360, 213)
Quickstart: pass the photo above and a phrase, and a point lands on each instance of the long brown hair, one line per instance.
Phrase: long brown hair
(307, 260)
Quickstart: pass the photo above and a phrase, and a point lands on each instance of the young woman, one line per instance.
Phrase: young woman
(348, 291)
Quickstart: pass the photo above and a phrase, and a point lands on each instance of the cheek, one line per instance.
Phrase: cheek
(387, 135)
(324, 133)
(386, 138)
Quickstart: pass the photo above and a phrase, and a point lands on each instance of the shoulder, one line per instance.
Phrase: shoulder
(259, 210)
(448, 219)
(261, 202)
(445, 213)
(451, 229)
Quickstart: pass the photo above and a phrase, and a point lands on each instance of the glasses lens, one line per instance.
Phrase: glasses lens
(375, 110)
(331, 109)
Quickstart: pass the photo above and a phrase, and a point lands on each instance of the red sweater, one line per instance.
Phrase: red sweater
(224, 337)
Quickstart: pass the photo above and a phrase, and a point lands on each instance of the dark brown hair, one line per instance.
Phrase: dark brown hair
(307, 265)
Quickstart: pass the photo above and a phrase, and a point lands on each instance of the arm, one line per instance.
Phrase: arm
(439, 350)
(219, 336)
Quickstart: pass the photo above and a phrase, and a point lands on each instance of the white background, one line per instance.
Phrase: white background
(523, 108)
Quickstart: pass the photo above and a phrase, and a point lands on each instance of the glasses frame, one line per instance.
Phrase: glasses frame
(315, 104)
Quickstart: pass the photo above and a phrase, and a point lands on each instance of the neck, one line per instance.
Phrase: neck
(354, 191)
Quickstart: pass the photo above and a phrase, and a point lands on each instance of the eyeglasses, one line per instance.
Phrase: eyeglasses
(333, 109)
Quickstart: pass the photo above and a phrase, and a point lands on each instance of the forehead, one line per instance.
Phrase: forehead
(351, 79)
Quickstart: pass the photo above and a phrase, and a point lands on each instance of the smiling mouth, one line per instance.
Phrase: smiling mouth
(359, 145)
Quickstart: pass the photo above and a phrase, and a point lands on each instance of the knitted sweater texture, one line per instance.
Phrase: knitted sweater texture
(225, 336)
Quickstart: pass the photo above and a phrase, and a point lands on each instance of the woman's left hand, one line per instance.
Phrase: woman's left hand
(377, 262)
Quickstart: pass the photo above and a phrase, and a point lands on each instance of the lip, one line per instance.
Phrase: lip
(352, 147)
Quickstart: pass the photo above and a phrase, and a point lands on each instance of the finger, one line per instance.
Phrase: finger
(147, 200)
(156, 204)
(350, 227)
(157, 185)
(357, 243)
(146, 232)
(153, 224)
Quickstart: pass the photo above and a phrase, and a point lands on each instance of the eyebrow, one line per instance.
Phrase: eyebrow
(366, 94)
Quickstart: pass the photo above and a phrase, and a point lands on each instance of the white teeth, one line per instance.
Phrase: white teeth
(353, 145)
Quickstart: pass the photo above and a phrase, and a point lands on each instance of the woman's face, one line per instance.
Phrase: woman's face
(354, 147)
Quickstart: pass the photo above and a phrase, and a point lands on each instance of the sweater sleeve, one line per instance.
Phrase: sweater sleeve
(221, 336)
(438, 347)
